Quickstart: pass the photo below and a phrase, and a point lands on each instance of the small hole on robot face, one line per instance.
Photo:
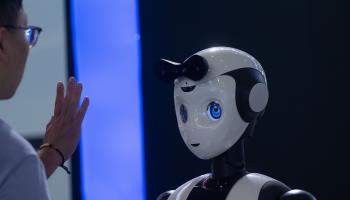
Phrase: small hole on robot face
(183, 113)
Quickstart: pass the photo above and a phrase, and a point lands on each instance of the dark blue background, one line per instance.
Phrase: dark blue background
(302, 45)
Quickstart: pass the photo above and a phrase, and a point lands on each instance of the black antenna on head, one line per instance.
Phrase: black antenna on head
(194, 68)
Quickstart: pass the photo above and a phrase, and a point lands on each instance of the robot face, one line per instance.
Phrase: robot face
(210, 118)
(207, 115)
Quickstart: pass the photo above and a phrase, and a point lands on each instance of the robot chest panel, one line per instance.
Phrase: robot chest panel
(247, 188)
(198, 193)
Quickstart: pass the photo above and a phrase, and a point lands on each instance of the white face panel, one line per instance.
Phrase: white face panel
(208, 134)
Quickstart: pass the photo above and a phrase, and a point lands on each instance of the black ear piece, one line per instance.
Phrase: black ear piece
(251, 93)
(194, 68)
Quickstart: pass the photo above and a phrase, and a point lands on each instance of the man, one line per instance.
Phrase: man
(23, 172)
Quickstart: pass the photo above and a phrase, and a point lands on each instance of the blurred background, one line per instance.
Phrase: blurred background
(131, 147)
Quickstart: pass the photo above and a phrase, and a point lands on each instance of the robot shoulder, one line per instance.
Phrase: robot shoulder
(165, 195)
(272, 189)
(277, 190)
(256, 186)
(297, 195)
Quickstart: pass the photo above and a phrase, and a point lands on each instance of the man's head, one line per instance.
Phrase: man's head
(14, 46)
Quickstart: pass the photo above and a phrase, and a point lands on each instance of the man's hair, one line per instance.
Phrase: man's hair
(9, 10)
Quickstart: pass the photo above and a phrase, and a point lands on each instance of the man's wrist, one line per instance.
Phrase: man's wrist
(50, 159)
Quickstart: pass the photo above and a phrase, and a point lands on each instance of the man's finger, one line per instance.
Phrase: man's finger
(82, 110)
(70, 91)
(76, 98)
(50, 122)
(59, 98)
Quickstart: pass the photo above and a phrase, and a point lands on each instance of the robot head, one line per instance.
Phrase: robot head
(218, 93)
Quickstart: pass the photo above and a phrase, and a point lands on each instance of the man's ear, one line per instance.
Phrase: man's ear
(2, 39)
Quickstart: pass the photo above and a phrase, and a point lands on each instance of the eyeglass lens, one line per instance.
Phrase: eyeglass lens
(32, 36)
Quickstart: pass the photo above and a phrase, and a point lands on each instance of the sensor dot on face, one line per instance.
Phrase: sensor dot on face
(183, 113)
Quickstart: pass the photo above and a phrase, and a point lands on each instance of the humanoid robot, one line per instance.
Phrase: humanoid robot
(219, 95)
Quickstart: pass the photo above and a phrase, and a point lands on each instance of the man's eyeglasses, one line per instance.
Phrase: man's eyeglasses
(32, 33)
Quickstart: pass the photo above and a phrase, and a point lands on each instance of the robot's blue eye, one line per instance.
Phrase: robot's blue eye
(183, 113)
(214, 111)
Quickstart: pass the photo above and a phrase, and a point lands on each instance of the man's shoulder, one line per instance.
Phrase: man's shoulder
(14, 147)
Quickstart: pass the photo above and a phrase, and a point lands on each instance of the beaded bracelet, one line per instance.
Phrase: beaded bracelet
(46, 145)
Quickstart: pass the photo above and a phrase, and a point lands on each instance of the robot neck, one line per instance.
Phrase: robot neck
(231, 163)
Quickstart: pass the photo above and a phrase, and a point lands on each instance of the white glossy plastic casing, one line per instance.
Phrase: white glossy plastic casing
(204, 136)
(222, 60)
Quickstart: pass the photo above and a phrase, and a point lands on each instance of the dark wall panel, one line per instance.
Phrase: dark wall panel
(302, 45)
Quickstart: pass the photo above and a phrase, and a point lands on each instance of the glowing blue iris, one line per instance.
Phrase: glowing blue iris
(214, 111)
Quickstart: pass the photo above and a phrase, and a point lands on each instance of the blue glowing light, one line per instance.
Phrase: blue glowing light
(214, 111)
(106, 47)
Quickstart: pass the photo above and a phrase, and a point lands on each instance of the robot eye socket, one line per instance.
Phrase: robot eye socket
(183, 113)
(214, 111)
